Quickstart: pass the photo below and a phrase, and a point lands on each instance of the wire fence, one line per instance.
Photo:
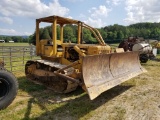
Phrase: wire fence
(15, 57)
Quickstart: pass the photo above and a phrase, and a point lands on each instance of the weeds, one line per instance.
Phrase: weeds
(121, 102)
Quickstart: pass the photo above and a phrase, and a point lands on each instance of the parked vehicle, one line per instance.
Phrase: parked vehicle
(64, 66)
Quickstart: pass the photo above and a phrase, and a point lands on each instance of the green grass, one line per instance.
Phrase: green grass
(19, 55)
(37, 102)
(14, 44)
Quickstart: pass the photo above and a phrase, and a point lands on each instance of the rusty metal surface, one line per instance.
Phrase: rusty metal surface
(102, 72)
(42, 72)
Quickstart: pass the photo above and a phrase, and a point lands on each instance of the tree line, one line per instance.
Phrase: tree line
(18, 39)
(111, 34)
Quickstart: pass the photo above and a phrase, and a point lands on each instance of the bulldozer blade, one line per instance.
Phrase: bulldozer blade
(102, 72)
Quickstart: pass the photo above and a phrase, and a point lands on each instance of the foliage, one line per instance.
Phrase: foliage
(111, 34)
(17, 39)
(69, 34)
(35, 102)
(14, 44)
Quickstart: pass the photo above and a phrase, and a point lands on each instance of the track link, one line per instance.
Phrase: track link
(42, 72)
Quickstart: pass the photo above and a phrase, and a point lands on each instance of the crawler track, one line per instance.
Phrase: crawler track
(42, 72)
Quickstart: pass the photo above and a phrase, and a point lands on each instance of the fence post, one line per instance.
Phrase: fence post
(23, 54)
(10, 57)
(13, 56)
(31, 51)
(2, 53)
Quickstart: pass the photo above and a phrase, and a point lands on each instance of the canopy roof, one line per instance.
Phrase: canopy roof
(60, 20)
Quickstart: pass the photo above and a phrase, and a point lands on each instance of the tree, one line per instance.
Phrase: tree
(68, 34)
(110, 35)
(111, 32)
(17, 38)
(114, 35)
(120, 35)
(7, 39)
(32, 38)
(45, 34)
(87, 36)
(103, 33)
(1, 38)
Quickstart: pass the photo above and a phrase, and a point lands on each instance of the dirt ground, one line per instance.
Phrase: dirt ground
(140, 102)
(136, 99)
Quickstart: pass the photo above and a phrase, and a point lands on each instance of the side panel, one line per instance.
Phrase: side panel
(102, 72)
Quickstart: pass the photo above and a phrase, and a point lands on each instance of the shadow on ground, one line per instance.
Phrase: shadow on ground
(65, 106)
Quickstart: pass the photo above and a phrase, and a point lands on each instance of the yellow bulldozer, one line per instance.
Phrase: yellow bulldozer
(65, 66)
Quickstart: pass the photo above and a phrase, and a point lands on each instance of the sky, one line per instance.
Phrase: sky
(17, 17)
